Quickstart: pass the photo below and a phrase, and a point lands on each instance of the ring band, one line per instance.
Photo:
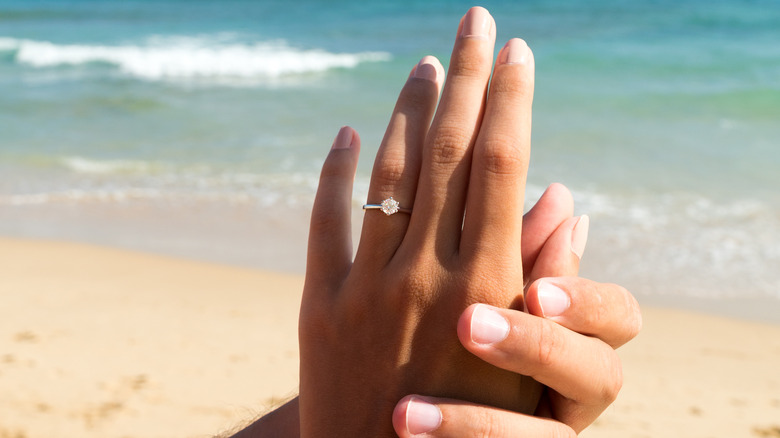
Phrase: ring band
(389, 207)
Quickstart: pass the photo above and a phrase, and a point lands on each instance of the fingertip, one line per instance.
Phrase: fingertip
(344, 138)
(560, 195)
(464, 325)
(429, 68)
(399, 416)
(416, 415)
(515, 52)
(553, 208)
(355, 145)
(551, 300)
(532, 299)
(558, 256)
(477, 23)
(483, 326)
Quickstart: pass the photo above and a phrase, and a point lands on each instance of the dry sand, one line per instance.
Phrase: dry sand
(98, 342)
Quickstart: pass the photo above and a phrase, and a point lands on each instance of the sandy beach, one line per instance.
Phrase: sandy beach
(99, 342)
(180, 143)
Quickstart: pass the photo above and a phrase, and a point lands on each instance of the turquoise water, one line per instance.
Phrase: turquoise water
(120, 121)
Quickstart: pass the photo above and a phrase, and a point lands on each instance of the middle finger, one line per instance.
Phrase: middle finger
(441, 192)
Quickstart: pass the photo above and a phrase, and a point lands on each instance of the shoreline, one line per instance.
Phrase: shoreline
(275, 239)
(104, 342)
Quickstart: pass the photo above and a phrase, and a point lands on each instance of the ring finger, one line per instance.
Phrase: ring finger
(397, 164)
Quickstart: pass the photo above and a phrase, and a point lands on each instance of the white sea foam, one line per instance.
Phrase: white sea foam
(656, 244)
(88, 166)
(8, 44)
(685, 243)
(190, 58)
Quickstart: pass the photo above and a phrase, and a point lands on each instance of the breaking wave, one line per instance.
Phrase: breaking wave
(162, 58)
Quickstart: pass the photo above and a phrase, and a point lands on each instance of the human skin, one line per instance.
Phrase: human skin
(565, 341)
(600, 311)
(384, 326)
(375, 329)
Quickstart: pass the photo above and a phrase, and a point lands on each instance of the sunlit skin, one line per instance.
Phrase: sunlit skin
(384, 333)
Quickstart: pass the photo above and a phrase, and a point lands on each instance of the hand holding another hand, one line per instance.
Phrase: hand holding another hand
(452, 274)
(384, 326)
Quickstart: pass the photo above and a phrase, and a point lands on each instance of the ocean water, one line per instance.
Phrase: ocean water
(197, 128)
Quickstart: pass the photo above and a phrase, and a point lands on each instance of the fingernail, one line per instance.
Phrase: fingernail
(343, 139)
(488, 326)
(477, 23)
(422, 417)
(579, 236)
(515, 51)
(552, 299)
(426, 69)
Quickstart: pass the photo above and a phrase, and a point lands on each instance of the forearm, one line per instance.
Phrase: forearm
(280, 423)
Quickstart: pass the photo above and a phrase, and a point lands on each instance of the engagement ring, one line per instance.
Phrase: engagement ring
(389, 207)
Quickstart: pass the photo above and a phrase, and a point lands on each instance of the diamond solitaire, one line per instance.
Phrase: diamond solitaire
(390, 206)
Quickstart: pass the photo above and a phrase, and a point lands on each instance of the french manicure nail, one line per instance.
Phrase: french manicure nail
(343, 139)
(426, 69)
(488, 326)
(552, 299)
(515, 51)
(579, 236)
(422, 417)
(477, 23)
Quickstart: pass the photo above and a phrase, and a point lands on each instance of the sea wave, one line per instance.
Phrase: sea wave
(685, 243)
(654, 243)
(89, 166)
(161, 58)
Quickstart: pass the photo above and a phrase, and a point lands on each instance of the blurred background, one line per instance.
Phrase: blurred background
(197, 128)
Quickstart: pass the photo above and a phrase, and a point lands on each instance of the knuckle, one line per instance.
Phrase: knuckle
(414, 290)
(636, 315)
(488, 425)
(509, 87)
(595, 311)
(548, 343)
(614, 382)
(449, 145)
(326, 219)
(502, 156)
(389, 172)
(474, 63)
(631, 321)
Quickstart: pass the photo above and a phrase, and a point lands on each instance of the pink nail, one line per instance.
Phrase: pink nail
(552, 299)
(477, 23)
(427, 69)
(579, 236)
(343, 139)
(421, 416)
(515, 51)
(488, 326)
